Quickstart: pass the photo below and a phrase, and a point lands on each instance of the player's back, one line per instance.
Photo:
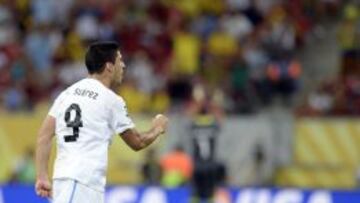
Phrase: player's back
(85, 123)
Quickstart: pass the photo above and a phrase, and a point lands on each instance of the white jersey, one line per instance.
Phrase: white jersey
(87, 115)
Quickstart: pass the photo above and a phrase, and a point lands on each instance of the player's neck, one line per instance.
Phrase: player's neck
(105, 81)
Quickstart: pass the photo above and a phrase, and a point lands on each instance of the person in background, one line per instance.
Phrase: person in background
(151, 170)
(177, 167)
(209, 173)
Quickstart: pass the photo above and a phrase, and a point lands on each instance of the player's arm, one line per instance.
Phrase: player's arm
(138, 141)
(43, 149)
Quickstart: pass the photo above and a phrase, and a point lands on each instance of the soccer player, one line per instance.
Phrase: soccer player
(84, 118)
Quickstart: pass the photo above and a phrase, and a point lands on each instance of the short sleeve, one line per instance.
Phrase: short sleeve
(120, 118)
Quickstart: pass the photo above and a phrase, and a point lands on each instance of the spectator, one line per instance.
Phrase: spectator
(8, 30)
(139, 100)
(43, 12)
(283, 75)
(179, 90)
(238, 4)
(160, 101)
(14, 98)
(348, 38)
(141, 70)
(40, 50)
(177, 168)
(181, 41)
(321, 102)
(253, 13)
(240, 85)
(237, 25)
(151, 170)
(70, 72)
(220, 43)
(186, 52)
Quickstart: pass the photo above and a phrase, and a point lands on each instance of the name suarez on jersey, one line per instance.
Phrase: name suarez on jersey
(86, 93)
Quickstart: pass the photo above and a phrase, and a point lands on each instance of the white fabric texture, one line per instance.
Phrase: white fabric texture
(87, 115)
(72, 191)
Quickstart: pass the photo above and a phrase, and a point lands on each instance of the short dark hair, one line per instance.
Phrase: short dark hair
(98, 54)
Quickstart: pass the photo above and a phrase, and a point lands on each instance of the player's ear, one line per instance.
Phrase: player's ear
(109, 67)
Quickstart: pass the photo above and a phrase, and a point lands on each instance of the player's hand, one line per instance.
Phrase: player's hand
(160, 122)
(43, 188)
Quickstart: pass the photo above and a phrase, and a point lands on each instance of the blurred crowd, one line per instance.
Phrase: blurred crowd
(238, 54)
(340, 95)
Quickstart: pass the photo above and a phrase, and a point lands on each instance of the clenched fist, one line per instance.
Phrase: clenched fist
(43, 188)
(160, 122)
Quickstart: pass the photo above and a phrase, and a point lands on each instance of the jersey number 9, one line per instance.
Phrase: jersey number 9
(74, 123)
